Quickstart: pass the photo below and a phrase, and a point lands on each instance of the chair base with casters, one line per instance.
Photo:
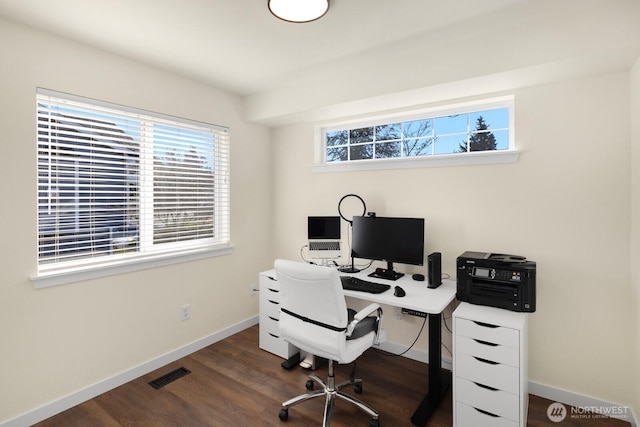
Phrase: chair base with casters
(331, 391)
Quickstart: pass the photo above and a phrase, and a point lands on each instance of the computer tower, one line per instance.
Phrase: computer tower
(434, 268)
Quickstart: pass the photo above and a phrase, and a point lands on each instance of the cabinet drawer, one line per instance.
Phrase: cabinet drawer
(497, 402)
(269, 307)
(488, 332)
(269, 280)
(270, 324)
(489, 373)
(276, 345)
(486, 350)
(269, 293)
(468, 416)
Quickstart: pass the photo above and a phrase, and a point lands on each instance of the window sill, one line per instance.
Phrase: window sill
(69, 276)
(441, 160)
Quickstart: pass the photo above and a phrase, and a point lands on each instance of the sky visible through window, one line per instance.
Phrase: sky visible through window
(470, 131)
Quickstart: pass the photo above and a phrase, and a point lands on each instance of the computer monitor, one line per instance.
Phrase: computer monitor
(390, 239)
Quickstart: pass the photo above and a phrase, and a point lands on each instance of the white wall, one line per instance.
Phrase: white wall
(635, 225)
(564, 204)
(59, 340)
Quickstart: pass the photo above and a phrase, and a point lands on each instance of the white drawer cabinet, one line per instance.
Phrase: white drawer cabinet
(270, 339)
(490, 386)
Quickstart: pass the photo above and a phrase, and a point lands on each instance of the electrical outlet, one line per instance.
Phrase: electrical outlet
(186, 312)
(252, 288)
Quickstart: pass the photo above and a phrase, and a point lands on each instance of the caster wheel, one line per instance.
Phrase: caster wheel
(309, 385)
(358, 389)
(284, 414)
(374, 423)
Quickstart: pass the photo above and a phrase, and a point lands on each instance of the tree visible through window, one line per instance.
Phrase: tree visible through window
(480, 140)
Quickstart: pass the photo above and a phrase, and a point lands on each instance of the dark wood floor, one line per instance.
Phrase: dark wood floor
(234, 383)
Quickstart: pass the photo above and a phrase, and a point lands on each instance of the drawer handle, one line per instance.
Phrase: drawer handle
(275, 336)
(490, 362)
(274, 291)
(486, 343)
(274, 318)
(486, 325)
(485, 386)
(272, 278)
(486, 413)
(277, 303)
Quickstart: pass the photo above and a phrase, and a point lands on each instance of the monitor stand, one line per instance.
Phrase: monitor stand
(348, 269)
(386, 273)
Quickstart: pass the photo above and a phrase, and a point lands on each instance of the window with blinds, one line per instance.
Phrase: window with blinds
(119, 185)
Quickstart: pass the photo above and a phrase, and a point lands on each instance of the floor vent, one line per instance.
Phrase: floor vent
(169, 378)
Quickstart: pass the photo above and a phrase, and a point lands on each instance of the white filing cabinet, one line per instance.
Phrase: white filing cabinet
(490, 380)
(270, 339)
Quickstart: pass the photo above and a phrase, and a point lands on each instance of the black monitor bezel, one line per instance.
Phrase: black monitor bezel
(378, 249)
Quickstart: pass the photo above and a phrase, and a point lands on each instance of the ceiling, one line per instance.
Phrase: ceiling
(360, 49)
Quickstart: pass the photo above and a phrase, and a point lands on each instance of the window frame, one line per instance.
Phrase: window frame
(181, 249)
(510, 155)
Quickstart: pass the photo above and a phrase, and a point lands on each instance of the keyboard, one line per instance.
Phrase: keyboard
(355, 284)
(324, 246)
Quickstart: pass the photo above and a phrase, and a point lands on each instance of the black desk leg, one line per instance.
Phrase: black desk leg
(439, 380)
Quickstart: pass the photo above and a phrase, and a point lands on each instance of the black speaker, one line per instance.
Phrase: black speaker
(434, 268)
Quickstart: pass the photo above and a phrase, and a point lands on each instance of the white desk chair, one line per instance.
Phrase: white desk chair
(314, 318)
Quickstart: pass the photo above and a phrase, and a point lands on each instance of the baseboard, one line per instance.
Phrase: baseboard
(76, 398)
(583, 403)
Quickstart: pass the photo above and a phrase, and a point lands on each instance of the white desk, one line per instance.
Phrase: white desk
(433, 302)
(419, 297)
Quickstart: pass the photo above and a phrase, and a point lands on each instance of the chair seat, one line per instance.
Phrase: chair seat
(365, 326)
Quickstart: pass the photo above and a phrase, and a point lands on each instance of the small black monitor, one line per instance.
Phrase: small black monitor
(390, 239)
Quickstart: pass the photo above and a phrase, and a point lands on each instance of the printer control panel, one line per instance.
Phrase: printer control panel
(494, 274)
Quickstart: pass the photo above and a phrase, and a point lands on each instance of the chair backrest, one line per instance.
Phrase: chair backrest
(313, 314)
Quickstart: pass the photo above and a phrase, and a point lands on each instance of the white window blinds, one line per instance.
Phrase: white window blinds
(117, 185)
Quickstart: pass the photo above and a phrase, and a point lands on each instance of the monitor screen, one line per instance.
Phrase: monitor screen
(323, 227)
(388, 239)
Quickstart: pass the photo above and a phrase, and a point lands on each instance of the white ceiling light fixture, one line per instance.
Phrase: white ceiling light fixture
(298, 10)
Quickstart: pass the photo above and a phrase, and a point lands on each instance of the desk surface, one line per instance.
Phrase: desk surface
(418, 296)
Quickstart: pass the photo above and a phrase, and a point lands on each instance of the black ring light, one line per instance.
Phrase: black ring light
(364, 207)
(352, 268)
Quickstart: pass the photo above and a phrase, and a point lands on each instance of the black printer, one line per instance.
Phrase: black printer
(497, 280)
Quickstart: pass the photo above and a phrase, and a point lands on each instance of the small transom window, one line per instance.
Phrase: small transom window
(446, 132)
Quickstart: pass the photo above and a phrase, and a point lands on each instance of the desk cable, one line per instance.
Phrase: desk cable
(302, 253)
(424, 322)
(444, 321)
(388, 353)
